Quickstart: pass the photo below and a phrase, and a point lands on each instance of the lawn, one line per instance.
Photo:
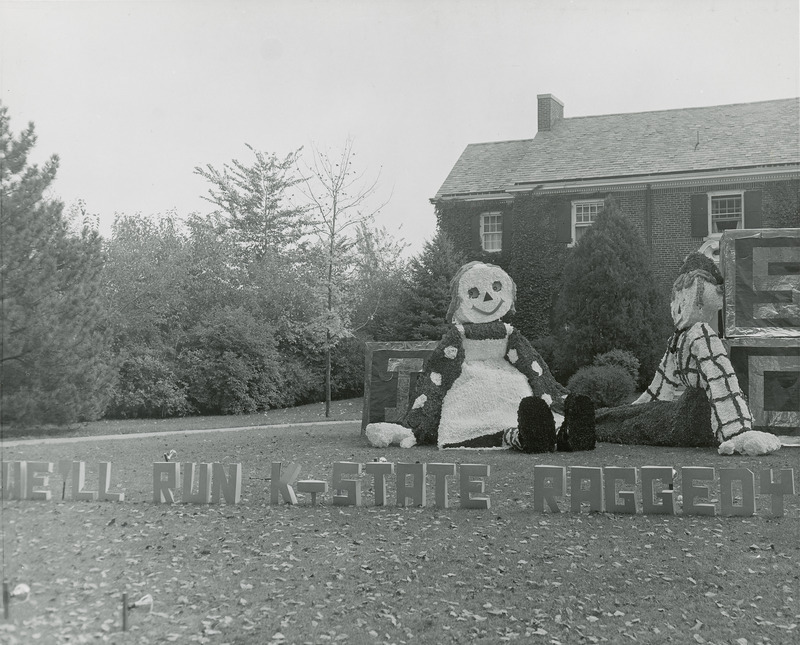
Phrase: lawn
(261, 573)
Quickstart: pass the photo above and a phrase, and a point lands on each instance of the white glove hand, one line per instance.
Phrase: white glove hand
(752, 443)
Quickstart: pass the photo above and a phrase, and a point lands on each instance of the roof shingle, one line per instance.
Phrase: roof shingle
(743, 135)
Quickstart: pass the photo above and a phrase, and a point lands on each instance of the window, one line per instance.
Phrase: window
(725, 212)
(492, 232)
(584, 214)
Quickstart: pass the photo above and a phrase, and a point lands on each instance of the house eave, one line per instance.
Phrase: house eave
(472, 197)
(730, 175)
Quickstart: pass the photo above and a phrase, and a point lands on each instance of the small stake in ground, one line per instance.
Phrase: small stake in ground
(124, 612)
(6, 600)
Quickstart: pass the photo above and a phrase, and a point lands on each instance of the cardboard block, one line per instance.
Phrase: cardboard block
(768, 371)
(748, 482)
(657, 502)
(415, 492)
(593, 496)
(391, 372)
(777, 489)
(761, 268)
(280, 482)
(469, 486)
(39, 475)
(379, 470)
(626, 475)
(104, 469)
(440, 473)
(690, 491)
(312, 487)
(228, 486)
(78, 482)
(163, 489)
(15, 479)
(351, 487)
(203, 494)
(549, 482)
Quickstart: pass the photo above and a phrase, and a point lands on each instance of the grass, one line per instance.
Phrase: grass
(258, 573)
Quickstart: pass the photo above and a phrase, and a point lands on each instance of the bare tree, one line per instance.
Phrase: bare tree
(339, 201)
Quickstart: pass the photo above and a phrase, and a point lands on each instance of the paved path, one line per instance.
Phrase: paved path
(166, 433)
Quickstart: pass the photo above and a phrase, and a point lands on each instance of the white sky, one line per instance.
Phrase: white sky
(133, 95)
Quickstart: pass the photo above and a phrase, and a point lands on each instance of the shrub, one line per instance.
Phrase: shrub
(230, 364)
(147, 388)
(606, 385)
(621, 358)
(609, 298)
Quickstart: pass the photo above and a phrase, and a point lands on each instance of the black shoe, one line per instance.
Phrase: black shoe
(537, 428)
(577, 432)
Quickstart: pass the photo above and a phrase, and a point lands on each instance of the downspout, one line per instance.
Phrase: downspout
(648, 218)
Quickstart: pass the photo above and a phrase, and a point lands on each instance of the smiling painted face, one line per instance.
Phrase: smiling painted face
(484, 293)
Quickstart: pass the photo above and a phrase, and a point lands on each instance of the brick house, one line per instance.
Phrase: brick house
(681, 176)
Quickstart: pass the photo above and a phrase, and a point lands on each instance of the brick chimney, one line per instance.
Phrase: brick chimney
(550, 111)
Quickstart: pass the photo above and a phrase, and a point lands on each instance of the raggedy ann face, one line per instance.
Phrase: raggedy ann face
(484, 293)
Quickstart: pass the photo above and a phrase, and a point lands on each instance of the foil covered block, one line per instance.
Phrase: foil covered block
(768, 371)
(391, 371)
(761, 268)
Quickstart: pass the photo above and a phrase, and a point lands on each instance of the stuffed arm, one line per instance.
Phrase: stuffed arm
(442, 369)
(521, 354)
(664, 386)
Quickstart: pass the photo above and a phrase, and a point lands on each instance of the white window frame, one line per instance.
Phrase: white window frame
(484, 232)
(724, 193)
(575, 224)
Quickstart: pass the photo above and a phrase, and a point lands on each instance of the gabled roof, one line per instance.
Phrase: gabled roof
(724, 137)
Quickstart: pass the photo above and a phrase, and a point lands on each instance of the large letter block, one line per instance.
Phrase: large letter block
(748, 481)
(626, 475)
(163, 489)
(203, 494)
(78, 482)
(379, 471)
(15, 479)
(688, 476)
(549, 482)
(391, 371)
(470, 486)
(657, 502)
(350, 487)
(440, 474)
(280, 482)
(777, 489)
(593, 495)
(415, 492)
(768, 371)
(312, 487)
(39, 475)
(761, 268)
(104, 476)
(227, 486)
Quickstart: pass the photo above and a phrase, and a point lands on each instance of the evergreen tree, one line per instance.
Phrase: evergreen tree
(422, 307)
(55, 367)
(609, 298)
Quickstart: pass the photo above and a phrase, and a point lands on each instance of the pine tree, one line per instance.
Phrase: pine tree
(54, 365)
(609, 298)
(423, 304)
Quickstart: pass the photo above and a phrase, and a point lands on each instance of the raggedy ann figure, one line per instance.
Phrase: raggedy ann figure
(484, 386)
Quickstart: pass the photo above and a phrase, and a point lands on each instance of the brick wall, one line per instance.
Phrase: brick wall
(666, 231)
